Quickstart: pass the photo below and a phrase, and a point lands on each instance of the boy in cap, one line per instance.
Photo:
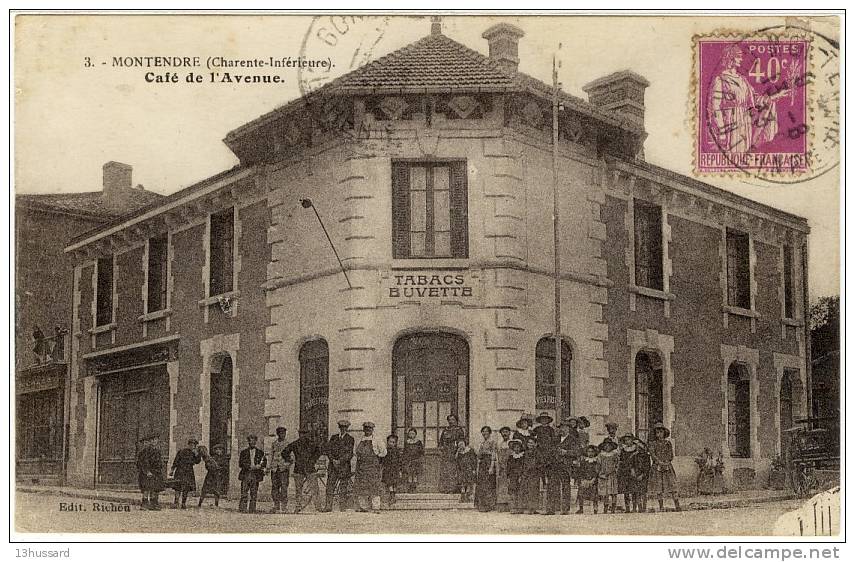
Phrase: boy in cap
(339, 452)
(279, 471)
(182, 471)
(567, 456)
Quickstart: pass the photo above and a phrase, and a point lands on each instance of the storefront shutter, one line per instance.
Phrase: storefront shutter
(400, 210)
(459, 211)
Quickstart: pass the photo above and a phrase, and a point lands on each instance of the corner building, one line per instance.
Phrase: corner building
(431, 170)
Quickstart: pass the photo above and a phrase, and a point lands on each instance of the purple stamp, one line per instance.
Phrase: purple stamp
(752, 105)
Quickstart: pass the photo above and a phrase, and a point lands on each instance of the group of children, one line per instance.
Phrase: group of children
(402, 466)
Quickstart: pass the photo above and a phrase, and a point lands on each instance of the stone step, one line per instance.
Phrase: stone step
(418, 496)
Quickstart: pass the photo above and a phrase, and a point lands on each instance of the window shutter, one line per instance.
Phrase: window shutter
(459, 211)
(400, 210)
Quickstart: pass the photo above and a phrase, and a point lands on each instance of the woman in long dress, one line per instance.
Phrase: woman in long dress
(485, 485)
(663, 479)
(503, 452)
(448, 439)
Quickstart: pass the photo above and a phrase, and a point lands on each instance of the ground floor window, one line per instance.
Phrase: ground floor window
(739, 411)
(40, 416)
(221, 405)
(314, 386)
(649, 393)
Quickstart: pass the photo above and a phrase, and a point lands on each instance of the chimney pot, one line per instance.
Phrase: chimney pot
(117, 177)
(621, 92)
(436, 25)
(503, 39)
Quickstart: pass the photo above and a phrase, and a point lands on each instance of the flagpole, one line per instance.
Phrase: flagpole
(556, 242)
(307, 203)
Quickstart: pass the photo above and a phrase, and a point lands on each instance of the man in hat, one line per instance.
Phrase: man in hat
(252, 463)
(306, 451)
(339, 452)
(182, 471)
(611, 430)
(150, 472)
(568, 452)
(545, 435)
(544, 432)
(279, 467)
(367, 483)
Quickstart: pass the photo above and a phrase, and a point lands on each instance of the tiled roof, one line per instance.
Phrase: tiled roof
(91, 204)
(435, 64)
(434, 61)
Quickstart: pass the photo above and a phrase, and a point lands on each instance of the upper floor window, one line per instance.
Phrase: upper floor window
(158, 259)
(221, 263)
(648, 244)
(789, 309)
(429, 210)
(738, 270)
(104, 292)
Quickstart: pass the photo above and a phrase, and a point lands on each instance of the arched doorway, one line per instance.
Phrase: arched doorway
(739, 410)
(315, 387)
(430, 373)
(649, 393)
(545, 381)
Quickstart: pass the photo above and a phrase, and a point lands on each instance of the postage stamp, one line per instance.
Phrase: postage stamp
(751, 105)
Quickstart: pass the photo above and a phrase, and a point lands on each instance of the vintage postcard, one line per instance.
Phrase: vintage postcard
(427, 273)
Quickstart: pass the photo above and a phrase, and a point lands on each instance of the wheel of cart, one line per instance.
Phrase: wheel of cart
(812, 446)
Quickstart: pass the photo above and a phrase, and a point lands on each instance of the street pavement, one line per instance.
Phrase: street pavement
(47, 512)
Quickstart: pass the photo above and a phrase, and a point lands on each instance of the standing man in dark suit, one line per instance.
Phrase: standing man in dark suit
(306, 451)
(252, 463)
(339, 452)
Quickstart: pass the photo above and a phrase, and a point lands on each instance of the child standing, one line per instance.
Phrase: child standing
(392, 467)
(608, 482)
(182, 470)
(588, 476)
(514, 471)
(217, 466)
(414, 454)
(663, 479)
(626, 482)
(532, 473)
(467, 468)
(640, 470)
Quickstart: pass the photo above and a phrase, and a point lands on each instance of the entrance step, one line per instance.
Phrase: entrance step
(429, 501)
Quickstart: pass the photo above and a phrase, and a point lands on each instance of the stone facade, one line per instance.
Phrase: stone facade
(289, 288)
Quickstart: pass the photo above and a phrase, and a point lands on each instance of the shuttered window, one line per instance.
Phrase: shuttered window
(429, 210)
(648, 244)
(738, 270)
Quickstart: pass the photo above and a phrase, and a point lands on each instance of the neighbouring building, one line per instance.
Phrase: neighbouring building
(223, 310)
(44, 224)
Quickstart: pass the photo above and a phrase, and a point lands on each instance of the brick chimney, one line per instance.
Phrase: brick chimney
(622, 92)
(117, 177)
(504, 40)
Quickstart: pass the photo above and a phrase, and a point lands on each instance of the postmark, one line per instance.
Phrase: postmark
(761, 107)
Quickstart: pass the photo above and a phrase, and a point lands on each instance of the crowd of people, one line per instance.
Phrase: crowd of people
(530, 469)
